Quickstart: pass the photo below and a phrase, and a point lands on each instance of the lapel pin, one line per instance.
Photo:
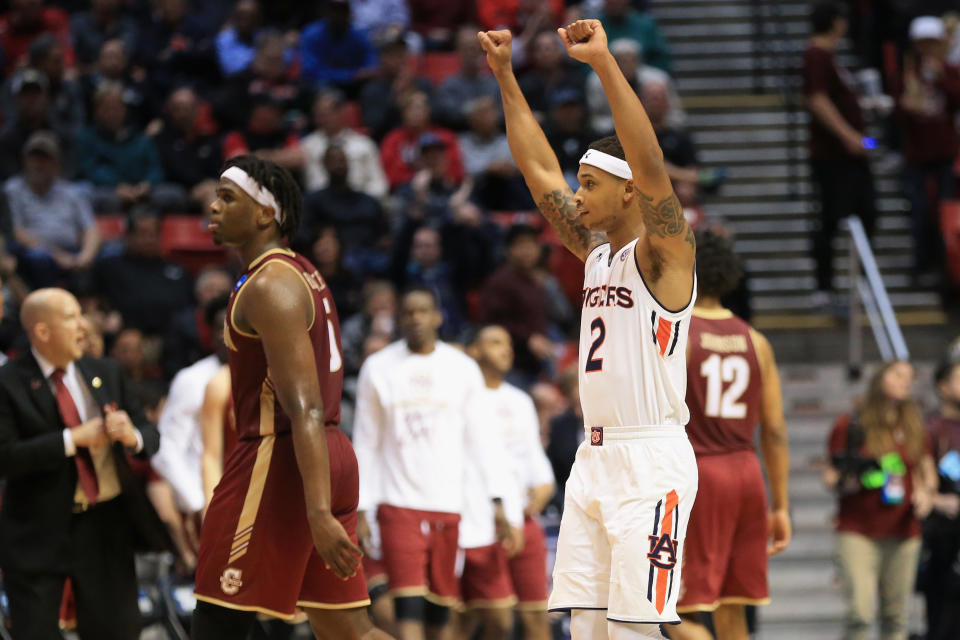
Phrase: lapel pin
(96, 382)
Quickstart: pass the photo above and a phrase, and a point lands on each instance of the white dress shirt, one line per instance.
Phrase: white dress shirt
(180, 458)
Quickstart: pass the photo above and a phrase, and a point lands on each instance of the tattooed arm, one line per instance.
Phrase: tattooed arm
(533, 154)
(668, 236)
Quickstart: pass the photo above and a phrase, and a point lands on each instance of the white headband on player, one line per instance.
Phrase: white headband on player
(253, 189)
(608, 163)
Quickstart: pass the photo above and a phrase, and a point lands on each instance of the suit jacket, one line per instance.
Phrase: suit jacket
(37, 507)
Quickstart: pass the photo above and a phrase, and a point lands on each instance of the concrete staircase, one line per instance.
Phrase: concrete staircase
(742, 96)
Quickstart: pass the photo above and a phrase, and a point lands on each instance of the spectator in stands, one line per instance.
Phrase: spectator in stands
(429, 196)
(266, 134)
(327, 255)
(189, 337)
(145, 288)
(837, 143)
(127, 350)
(335, 52)
(620, 20)
(190, 158)
(550, 73)
(236, 44)
(267, 77)
(176, 48)
(488, 161)
(437, 20)
(361, 223)
(26, 20)
(881, 468)
(381, 19)
(566, 432)
(517, 15)
(940, 576)
(513, 298)
(568, 130)
(426, 267)
(471, 82)
(112, 66)
(400, 150)
(53, 225)
(67, 109)
(377, 318)
(121, 163)
(927, 110)
(30, 89)
(629, 58)
(103, 21)
(381, 97)
(364, 171)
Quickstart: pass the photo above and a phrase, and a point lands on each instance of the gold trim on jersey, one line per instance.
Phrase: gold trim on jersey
(697, 608)
(268, 407)
(305, 604)
(251, 503)
(320, 286)
(539, 605)
(269, 252)
(496, 603)
(712, 314)
(242, 607)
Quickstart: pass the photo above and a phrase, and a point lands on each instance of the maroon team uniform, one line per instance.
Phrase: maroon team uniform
(256, 550)
(725, 561)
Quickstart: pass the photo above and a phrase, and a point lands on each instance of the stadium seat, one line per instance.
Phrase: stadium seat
(353, 118)
(186, 240)
(950, 227)
(439, 65)
(111, 225)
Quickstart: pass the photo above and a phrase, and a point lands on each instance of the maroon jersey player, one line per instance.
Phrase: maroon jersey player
(280, 530)
(732, 386)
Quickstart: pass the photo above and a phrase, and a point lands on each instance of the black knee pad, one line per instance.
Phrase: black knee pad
(410, 607)
(212, 622)
(435, 614)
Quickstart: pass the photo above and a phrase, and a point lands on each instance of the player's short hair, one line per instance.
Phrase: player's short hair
(277, 181)
(420, 288)
(823, 15)
(944, 370)
(609, 145)
(214, 307)
(718, 267)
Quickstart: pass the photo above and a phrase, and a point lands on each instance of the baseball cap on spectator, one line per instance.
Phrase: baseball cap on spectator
(430, 140)
(565, 96)
(29, 78)
(43, 142)
(927, 28)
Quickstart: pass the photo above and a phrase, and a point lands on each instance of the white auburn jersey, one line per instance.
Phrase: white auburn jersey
(633, 369)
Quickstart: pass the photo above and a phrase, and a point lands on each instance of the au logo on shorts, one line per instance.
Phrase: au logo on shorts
(231, 581)
(660, 545)
(596, 436)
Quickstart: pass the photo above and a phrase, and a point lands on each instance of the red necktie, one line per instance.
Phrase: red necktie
(86, 474)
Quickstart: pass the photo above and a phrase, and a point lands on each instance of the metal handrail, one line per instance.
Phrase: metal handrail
(867, 289)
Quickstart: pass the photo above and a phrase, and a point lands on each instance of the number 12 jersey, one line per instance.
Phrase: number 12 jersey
(632, 350)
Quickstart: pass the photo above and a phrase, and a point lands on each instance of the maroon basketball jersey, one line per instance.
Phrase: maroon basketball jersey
(256, 409)
(724, 386)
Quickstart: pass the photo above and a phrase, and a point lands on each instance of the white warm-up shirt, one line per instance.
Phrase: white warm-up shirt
(515, 432)
(418, 418)
(180, 458)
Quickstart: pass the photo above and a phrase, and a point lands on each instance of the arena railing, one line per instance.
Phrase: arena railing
(867, 290)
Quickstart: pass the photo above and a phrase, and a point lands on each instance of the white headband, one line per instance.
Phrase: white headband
(608, 163)
(261, 195)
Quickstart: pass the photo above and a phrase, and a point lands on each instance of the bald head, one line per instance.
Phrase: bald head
(51, 318)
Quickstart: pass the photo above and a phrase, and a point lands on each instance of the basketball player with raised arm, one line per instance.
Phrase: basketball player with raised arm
(733, 386)
(635, 477)
(280, 530)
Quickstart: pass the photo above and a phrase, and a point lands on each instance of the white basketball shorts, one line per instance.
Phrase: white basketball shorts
(625, 513)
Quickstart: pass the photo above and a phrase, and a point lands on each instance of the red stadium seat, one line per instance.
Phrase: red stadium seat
(439, 65)
(950, 226)
(111, 225)
(186, 240)
(353, 118)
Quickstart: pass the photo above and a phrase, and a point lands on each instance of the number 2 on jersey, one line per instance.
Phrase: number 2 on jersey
(596, 364)
(717, 370)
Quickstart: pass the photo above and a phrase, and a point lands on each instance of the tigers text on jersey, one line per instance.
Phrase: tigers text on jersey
(515, 434)
(417, 418)
(725, 387)
(632, 350)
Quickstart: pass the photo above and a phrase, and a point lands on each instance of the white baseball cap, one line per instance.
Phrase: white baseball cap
(927, 28)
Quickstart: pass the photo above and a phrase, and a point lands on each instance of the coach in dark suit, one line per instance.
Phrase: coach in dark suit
(71, 507)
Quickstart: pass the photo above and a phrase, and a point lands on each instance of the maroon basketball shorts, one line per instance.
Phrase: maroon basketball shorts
(528, 569)
(485, 583)
(256, 550)
(725, 561)
(420, 553)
